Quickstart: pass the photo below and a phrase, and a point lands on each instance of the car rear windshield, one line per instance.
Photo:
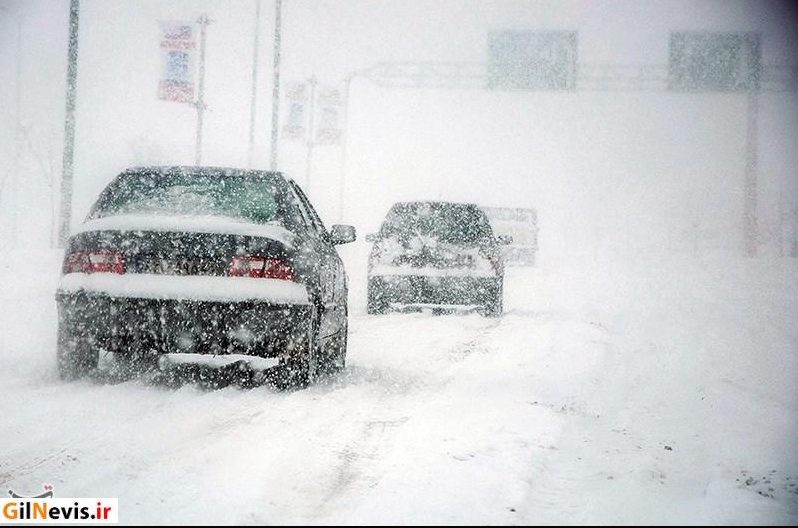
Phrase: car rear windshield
(454, 223)
(234, 196)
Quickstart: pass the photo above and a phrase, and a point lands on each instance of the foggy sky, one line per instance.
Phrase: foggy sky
(606, 170)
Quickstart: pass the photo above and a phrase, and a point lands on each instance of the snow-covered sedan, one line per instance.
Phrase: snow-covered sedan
(437, 255)
(193, 264)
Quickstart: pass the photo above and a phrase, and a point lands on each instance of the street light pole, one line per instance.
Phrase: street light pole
(69, 124)
(310, 143)
(203, 21)
(344, 136)
(254, 85)
(750, 224)
(14, 184)
(276, 81)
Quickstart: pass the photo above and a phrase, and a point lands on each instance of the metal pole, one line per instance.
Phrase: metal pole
(13, 184)
(794, 236)
(276, 81)
(203, 21)
(344, 137)
(69, 125)
(311, 130)
(254, 84)
(781, 219)
(750, 186)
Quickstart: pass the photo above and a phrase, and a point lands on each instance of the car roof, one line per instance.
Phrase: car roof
(168, 170)
(434, 202)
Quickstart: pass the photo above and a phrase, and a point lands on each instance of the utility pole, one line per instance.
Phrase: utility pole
(750, 185)
(69, 124)
(276, 80)
(278, 9)
(794, 231)
(14, 183)
(254, 85)
(311, 131)
(203, 21)
(344, 136)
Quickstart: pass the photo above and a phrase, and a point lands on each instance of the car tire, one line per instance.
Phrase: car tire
(75, 355)
(494, 306)
(333, 359)
(376, 303)
(341, 343)
(301, 371)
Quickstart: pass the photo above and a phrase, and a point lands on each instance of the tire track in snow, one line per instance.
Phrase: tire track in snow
(560, 478)
(390, 411)
(374, 438)
(10, 472)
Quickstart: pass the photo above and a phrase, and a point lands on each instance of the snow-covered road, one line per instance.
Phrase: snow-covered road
(662, 394)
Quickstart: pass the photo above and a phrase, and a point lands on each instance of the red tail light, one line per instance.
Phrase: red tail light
(95, 262)
(262, 267)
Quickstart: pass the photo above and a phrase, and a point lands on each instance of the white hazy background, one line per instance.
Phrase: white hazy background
(644, 371)
(613, 174)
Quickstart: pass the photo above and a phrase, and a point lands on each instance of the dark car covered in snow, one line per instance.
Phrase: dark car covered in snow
(180, 265)
(437, 255)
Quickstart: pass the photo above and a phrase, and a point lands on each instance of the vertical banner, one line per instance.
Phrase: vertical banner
(295, 126)
(329, 104)
(177, 62)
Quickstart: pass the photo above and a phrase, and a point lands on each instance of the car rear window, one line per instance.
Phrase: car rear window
(247, 198)
(453, 223)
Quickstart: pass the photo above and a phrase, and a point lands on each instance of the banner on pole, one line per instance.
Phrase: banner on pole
(177, 62)
(328, 131)
(297, 95)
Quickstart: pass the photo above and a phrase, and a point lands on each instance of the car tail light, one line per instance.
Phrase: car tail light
(95, 262)
(261, 267)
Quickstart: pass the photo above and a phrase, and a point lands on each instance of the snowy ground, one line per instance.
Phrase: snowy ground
(664, 392)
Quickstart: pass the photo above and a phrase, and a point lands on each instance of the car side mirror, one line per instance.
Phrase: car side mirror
(342, 234)
(504, 240)
(371, 237)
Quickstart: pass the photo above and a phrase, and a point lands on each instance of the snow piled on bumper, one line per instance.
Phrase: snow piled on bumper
(175, 359)
(194, 288)
(429, 271)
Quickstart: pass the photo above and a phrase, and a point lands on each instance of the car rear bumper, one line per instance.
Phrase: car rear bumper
(432, 291)
(131, 325)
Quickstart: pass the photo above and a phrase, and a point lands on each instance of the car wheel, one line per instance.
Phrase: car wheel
(301, 370)
(376, 303)
(75, 355)
(494, 306)
(334, 358)
(337, 359)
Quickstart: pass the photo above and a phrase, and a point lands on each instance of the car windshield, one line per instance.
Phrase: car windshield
(246, 198)
(453, 223)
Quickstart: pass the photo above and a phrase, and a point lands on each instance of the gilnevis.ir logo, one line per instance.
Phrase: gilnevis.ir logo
(46, 509)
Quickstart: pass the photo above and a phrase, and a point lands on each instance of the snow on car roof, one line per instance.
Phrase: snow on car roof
(167, 170)
(434, 202)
